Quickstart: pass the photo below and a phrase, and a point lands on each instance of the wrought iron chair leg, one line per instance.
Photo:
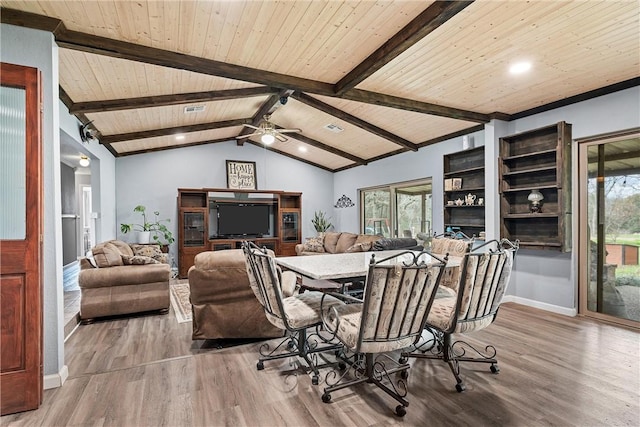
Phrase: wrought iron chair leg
(298, 346)
(374, 372)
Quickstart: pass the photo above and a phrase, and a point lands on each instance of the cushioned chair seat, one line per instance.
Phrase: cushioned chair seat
(302, 310)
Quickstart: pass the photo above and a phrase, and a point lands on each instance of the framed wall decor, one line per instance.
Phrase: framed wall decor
(241, 175)
(456, 183)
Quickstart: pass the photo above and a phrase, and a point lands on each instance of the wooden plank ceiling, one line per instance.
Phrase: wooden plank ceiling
(393, 76)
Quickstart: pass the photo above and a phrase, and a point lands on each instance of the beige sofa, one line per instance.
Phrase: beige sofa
(345, 242)
(116, 280)
(222, 301)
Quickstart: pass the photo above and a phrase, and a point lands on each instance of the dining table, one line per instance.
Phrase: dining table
(344, 268)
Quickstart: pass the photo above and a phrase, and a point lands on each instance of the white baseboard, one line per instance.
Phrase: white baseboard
(572, 312)
(56, 380)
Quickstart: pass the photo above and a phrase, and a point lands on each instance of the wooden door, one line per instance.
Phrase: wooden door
(21, 376)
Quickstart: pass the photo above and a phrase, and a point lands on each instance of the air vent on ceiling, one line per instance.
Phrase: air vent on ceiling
(194, 109)
(333, 128)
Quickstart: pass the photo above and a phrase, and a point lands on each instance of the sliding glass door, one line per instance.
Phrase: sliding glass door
(610, 228)
(398, 210)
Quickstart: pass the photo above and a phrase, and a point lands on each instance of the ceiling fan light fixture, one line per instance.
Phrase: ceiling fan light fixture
(267, 138)
(84, 161)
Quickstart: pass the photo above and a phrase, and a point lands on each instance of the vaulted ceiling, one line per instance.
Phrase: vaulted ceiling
(394, 76)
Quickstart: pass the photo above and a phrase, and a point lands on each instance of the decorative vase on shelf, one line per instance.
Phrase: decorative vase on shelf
(535, 197)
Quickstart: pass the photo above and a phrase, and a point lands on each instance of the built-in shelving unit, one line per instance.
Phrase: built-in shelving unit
(198, 229)
(464, 191)
(536, 160)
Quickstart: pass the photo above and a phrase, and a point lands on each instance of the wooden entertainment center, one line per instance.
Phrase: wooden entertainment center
(199, 211)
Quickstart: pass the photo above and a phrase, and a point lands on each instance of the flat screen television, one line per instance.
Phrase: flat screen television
(243, 219)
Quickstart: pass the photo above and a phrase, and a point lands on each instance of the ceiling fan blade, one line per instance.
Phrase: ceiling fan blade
(281, 138)
(249, 135)
(289, 130)
(251, 126)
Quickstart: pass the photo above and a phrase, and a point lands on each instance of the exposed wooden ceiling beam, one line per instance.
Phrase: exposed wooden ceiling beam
(164, 100)
(108, 47)
(435, 15)
(171, 147)
(412, 105)
(31, 20)
(110, 139)
(314, 143)
(467, 131)
(342, 115)
(118, 49)
(291, 156)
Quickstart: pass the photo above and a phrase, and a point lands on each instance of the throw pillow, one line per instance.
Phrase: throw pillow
(106, 255)
(138, 260)
(359, 247)
(151, 251)
(313, 244)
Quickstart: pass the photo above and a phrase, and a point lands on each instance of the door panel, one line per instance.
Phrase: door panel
(21, 378)
(609, 229)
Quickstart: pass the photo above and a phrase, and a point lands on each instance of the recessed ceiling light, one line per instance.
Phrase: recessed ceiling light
(302, 149)
(179, 137)
(520, 67)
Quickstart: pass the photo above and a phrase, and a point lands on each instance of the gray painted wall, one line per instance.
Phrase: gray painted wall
(153, 180)
(103, 171)
(37, 49)
(542, 278)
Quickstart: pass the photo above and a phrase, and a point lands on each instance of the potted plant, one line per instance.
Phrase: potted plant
(155, 229)
(320, 222)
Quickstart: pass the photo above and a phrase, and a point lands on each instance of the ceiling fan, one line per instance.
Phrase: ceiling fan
(268, 131)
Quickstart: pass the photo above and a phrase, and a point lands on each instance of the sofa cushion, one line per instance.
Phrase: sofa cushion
(394, 243)
(345, 241)
(330, 241)
(359, 247)
(313, 244)
(123, 247)
(107, 255)
(138, 260)
(367, 238)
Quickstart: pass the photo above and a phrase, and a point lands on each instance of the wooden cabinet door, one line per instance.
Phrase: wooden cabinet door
(21, 377)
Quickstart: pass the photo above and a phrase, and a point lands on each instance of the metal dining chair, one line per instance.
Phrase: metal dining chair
(482, 282)
(295, 314)
(398, 295)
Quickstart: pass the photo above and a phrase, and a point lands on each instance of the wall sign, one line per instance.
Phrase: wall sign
(241, 175)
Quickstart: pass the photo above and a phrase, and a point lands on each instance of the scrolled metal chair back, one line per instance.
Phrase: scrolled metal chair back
(398, 296)
(266, 278)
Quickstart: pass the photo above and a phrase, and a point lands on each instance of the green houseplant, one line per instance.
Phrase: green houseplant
(320, 221)
(158, 230)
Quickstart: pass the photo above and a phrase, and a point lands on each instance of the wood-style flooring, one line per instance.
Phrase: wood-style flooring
(146, 371)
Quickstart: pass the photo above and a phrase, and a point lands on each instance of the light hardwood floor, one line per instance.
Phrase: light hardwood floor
(146, 371)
